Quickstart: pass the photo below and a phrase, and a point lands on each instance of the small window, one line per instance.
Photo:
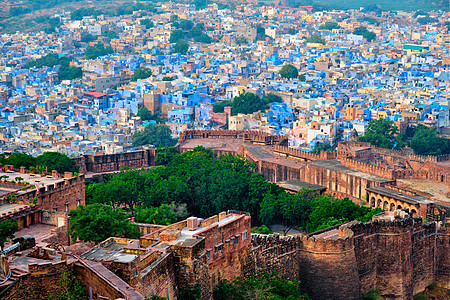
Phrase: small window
(135, 273)
(236, 240)
(244, 236)
(208, 254)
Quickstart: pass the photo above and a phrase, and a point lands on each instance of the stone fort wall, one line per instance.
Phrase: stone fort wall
(418, 167)
(398, 258)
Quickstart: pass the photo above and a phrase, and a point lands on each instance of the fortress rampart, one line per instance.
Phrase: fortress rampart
(398, 258)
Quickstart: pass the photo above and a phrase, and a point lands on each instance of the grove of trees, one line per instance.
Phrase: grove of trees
(368, 35)
(7, 230)
(423, 140)
(266, 286)
(97, 222)
(52, 160)
(195, 183)
(141, 73)
(247, 103)
(154, 134)
(50, 60)
(288, 71)
(93, 52)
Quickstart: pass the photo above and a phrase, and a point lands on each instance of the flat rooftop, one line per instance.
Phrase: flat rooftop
(399, 196)
(297, 185)
(186, 239)
(335, 165)
(112, 251)
(37, 179)
(6, 188)
(437, 190)
(6, 208)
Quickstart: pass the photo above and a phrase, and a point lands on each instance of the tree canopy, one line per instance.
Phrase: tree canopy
(97, 222)
(141, 73)
(93, 52)
(57, 161)
(181, 47)
(368, 35)
(7, 230)
(247, 103)
(148, 23)
(315, 39)
(196, 183)
(329, 26)
(154, 134)
(266, 286)
(146, 114)
(50, 60)
(426, 142)
(382, 133)
(288, 71)
(52, 160)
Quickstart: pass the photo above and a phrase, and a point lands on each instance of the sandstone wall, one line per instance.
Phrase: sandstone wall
(159, 278)
(326, 268)
(30, 286)
(398, 258)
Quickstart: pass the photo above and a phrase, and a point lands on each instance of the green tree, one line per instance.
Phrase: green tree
(87, 37)
(181, 47)
(426, 142)
(71, 288)
(141, 73)
(219, 107)
(146, 114)
(266, 286)
(97, 222)
(381, 133)
(288, 71)
(70, 73)
(167, 78)
(241, 40)
(271, 97)
(289, 210)
(186, 24)
(329, 26)
(20, 160)
(263, 229)
(165, 155)
(302, 77)
(368, 35)
(427, 20)
(148, 23)
(93, 52)
(176, 35)
(325, 146)
(203, 38)
(57, 161)
(153, 134)
(7, 230)
(162, 215)
(193, 293)
(315, 39)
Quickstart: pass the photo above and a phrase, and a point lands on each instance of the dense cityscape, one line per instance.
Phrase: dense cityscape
(168, 150)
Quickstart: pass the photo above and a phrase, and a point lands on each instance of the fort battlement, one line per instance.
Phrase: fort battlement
(368, 168)
(299, 154)
(399, 258)
(346, 146)
(256, 137)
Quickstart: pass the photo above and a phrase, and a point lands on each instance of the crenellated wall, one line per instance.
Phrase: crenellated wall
(398, 258)
(299, 154)
(114, 162)
(255, 137)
